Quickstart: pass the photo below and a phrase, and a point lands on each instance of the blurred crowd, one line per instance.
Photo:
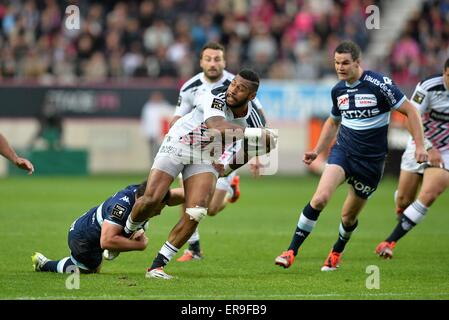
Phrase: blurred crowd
(280, 39)
(423, 46)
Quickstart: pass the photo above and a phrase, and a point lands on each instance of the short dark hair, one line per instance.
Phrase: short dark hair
(349, 47)
(141, 189)
(446, 64)
(212, 45)
(252, 76)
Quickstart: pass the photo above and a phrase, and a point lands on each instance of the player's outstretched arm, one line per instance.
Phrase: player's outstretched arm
(416, 129)
(328, 133)
(112, 239)
(8, 152)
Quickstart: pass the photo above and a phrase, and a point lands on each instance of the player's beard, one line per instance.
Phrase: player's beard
(215, 76)
(237, 104)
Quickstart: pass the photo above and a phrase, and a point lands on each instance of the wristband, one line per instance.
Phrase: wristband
(253, 133)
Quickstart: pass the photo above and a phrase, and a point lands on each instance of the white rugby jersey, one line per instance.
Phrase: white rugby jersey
(197, 86)
(191, 128)
(431, 98)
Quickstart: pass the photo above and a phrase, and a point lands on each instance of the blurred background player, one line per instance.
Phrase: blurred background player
(9, 153)
(431, 98)
(100, 229)
(213, 75)
(154, 120)
(362, 102)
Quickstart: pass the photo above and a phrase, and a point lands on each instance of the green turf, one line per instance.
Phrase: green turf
(240, 245)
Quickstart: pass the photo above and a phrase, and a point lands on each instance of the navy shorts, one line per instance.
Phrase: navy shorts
(87, 252)
(362, 174)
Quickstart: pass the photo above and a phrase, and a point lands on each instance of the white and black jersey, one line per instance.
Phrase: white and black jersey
(195, 87)
(431, 97)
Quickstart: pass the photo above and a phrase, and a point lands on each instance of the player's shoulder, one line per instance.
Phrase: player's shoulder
(375, 78)
(340, 85)
(433, 83)
(192, 83)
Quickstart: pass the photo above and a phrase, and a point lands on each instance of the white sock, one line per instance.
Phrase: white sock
(168, 250)
(416, 211)
(195, 236)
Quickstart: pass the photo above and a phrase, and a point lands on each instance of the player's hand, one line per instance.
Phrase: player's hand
(435, 159)
(421, 155)
(309, 157)
(142, 238)
(24, 164)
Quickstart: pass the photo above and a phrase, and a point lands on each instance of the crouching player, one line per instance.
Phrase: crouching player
(100, 229)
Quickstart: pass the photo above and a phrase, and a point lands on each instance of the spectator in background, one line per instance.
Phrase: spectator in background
(156, 114)
(8, 152)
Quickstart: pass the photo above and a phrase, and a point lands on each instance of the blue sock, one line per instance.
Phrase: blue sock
(59, 266)
(307, 221)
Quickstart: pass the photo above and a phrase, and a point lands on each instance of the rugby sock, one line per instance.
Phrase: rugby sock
(59, 266)
(164, 256)
(194, 242)
(306, 222)
(411, 217)
(344, 234)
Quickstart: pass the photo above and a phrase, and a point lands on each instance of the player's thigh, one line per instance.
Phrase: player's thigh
(435, 182)
(199, 189)
(352, 206)
(408, 186)
(332, 176)
(158, 184)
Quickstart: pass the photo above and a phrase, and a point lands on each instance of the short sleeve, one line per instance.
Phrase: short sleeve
(212, 106)
(185, 103)
(420, 99)
(393, 95)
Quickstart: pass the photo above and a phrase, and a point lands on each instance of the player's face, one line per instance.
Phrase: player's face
(446, 77)
(346, 68)
(239, 92)
(212, 62)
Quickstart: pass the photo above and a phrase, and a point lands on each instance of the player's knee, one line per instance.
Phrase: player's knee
(196, 213)
(320, 200)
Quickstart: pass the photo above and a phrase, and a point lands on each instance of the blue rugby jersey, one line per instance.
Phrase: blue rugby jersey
(364, 111)
(115, 209)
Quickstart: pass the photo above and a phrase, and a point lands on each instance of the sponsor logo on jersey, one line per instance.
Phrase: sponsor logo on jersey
(360, 114)
(118, 211)
(218, 104)
(418, 97)
(179, 101)
(365, 100)
(343, 102)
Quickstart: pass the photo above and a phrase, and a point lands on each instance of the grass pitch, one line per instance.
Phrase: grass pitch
(239, 244)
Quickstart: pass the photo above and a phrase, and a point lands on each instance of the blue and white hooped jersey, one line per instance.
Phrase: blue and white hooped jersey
(115, 210)
(364, 111)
